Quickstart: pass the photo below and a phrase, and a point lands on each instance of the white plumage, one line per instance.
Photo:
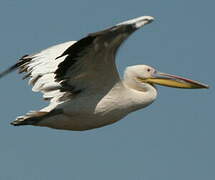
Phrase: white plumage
(42, 68)
(81, 81)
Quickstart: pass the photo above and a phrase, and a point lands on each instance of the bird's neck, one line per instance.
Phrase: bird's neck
(143, 94)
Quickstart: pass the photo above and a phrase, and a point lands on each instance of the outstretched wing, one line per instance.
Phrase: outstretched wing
(70, 68)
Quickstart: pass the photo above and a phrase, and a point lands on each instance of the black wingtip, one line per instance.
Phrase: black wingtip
(10, 69)
(21, 62)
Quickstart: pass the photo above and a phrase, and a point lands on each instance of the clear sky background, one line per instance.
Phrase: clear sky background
(172, 139)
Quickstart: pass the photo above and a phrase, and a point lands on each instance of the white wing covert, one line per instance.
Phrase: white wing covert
(40, 68)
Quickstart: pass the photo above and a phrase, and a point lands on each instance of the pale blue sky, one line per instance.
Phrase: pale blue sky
(172, 139)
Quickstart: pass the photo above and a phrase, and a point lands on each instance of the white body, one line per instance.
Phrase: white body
(98, 110)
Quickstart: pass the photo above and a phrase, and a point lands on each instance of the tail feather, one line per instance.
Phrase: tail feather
(30, 118)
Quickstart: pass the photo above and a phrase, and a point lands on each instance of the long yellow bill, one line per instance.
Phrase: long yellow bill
(174, 81)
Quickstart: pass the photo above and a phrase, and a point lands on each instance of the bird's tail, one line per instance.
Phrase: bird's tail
(31, 118)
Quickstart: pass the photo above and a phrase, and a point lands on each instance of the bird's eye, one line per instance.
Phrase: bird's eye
(148, 70)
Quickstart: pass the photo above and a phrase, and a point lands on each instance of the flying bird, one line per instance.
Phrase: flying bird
(82, 84)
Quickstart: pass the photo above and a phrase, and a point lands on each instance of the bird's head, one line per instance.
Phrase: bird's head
(141, 76)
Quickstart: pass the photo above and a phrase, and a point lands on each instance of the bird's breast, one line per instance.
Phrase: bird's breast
(90, 112)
